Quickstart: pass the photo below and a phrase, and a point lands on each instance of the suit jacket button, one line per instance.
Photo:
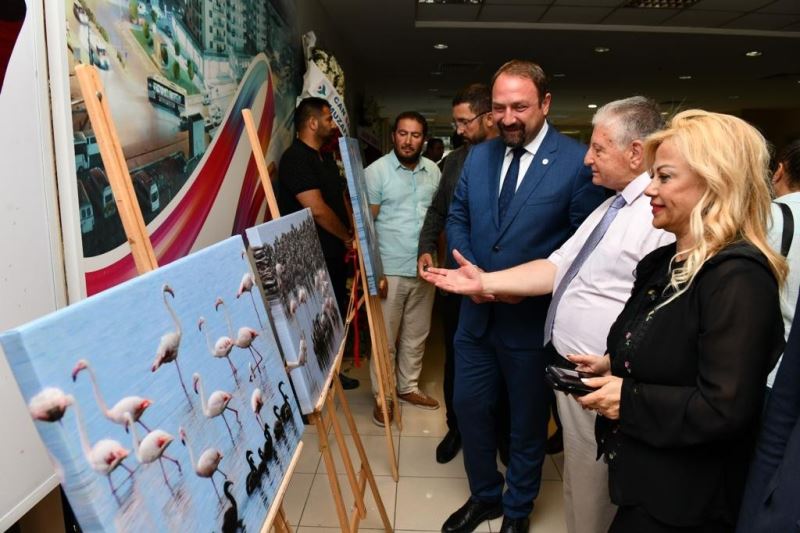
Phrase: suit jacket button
(496, 248)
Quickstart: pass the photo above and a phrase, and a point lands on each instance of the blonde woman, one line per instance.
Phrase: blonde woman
(682, 383)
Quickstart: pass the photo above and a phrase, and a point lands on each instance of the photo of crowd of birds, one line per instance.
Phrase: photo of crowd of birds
(163, 402)
(289, 262)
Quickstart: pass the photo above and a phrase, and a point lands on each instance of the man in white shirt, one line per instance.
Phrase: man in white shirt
(587, 298)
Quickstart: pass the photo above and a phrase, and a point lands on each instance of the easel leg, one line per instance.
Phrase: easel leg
(325, 448)
(365, 467)
(343, 451)
(282, 522)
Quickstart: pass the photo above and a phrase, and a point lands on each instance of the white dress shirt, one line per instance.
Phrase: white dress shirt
(601, 287)
(525, 160)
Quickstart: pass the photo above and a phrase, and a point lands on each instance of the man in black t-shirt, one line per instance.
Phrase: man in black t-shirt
(310, 178)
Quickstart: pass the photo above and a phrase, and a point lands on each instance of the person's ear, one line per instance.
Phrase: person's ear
(636, 151)
(779, 174)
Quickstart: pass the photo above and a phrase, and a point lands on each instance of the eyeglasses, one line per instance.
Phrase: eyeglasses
(463, 122)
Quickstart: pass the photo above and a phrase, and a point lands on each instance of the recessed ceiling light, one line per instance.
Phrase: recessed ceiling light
(592, 106)
(661, 4)
(602, 49)
(685, 77)
(664, 113)
(436, 73)
(440, 46)
(753, 53)
(559, 75)
(433, 90)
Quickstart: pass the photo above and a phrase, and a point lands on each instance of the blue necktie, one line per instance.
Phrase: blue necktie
(588, 247)
(509, 184)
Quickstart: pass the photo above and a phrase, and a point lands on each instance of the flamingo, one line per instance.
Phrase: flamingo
(170, 343)
(257, 403)
(152, 447)
(292, 306)
(231, 523)
(245, 335)
(221, 348)
(49, 405)
(302, 354)
(217, 403)
(208, 464)
(133, 405)
(246, 286)
(106, 454)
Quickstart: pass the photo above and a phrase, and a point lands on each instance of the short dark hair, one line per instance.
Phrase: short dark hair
(790, 158)
(525, 69)
(434, 141)
(413, 115)
(308, 108)
(477, 95)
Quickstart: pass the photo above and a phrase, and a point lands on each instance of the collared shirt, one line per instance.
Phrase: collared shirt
(404, 197)
(527, 157)
(792, 285)
(601, 287)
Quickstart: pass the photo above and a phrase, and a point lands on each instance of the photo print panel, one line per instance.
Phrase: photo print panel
(365, 227)
(163, 402)
(300, 300)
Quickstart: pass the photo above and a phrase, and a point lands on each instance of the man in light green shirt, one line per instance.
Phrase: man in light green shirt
(401, 186)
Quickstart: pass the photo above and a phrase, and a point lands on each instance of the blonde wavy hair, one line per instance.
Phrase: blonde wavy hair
(732, 159)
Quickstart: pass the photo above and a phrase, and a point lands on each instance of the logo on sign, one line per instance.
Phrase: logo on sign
(321, 90)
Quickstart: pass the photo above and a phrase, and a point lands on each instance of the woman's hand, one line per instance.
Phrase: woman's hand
(464, 280)
(605, 400)
(599, 365)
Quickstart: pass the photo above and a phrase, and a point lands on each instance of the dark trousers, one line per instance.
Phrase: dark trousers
(450, 305)
(634, 519)
(481, 366)
(337, 270)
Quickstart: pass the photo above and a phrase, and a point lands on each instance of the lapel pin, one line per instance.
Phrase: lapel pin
(545, 161)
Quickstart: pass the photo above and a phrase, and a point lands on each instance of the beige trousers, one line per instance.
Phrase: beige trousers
(587, 505)
(407, 315)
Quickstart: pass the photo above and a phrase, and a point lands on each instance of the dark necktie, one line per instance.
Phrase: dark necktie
(586, 250)
(509, 184)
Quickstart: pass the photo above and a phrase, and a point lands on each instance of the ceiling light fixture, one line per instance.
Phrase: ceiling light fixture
(661, 4)
(592, 106)
(601, 49)
(753, 53)
(559, 75)
(440, 46)
(436, 73)
(685, 77)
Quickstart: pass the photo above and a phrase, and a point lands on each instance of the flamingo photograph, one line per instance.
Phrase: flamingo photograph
(291, 268)
(133, 452)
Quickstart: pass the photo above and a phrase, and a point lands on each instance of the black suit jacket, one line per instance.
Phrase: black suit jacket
(693, 386)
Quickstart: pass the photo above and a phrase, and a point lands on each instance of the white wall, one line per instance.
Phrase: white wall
(32, 281)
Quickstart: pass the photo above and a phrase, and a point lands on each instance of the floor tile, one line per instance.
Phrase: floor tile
(558, 459)
(321, 512)
(550, 471)
(377, 454)
(423, 504)
(548, 511)
(294, 501)
(309, 457)
(423, 422)
(418, 459)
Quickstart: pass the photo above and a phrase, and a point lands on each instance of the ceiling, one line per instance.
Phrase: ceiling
(649, 50)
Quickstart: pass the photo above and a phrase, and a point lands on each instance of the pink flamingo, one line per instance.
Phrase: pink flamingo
(106, 454)
(257, 403)
(246, 286)
(170, 343)
(292, 306)
(221, 348)
(217, 403)
(133, 405)
(244, 337)
(208, 463)
(152, 448)
(49, 405)
(302, 356)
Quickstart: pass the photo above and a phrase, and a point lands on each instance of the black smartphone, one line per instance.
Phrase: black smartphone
(567, 380)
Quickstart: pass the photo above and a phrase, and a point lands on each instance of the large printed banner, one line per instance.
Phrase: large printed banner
(177, 74)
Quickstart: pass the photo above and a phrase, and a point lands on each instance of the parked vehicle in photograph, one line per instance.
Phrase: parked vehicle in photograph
(146, 191)
(100, 192)
(87, 213)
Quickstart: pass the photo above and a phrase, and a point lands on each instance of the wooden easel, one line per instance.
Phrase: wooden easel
(133, 223)
(334, 391)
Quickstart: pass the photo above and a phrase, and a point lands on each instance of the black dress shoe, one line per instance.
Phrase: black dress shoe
(348, 383)
(448, 448)
(555, 444)
(471, 515)
(514, 525)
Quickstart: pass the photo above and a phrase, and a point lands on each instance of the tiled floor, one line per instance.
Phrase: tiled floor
(427, 491)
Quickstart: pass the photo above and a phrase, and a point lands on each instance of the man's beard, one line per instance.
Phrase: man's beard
(513, 136)
(412, 159)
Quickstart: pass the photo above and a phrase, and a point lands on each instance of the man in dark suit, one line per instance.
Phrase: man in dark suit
(519, 198)
(770, 498)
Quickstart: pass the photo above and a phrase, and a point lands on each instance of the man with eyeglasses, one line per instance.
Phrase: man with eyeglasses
(400, 187)
(472, 119)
